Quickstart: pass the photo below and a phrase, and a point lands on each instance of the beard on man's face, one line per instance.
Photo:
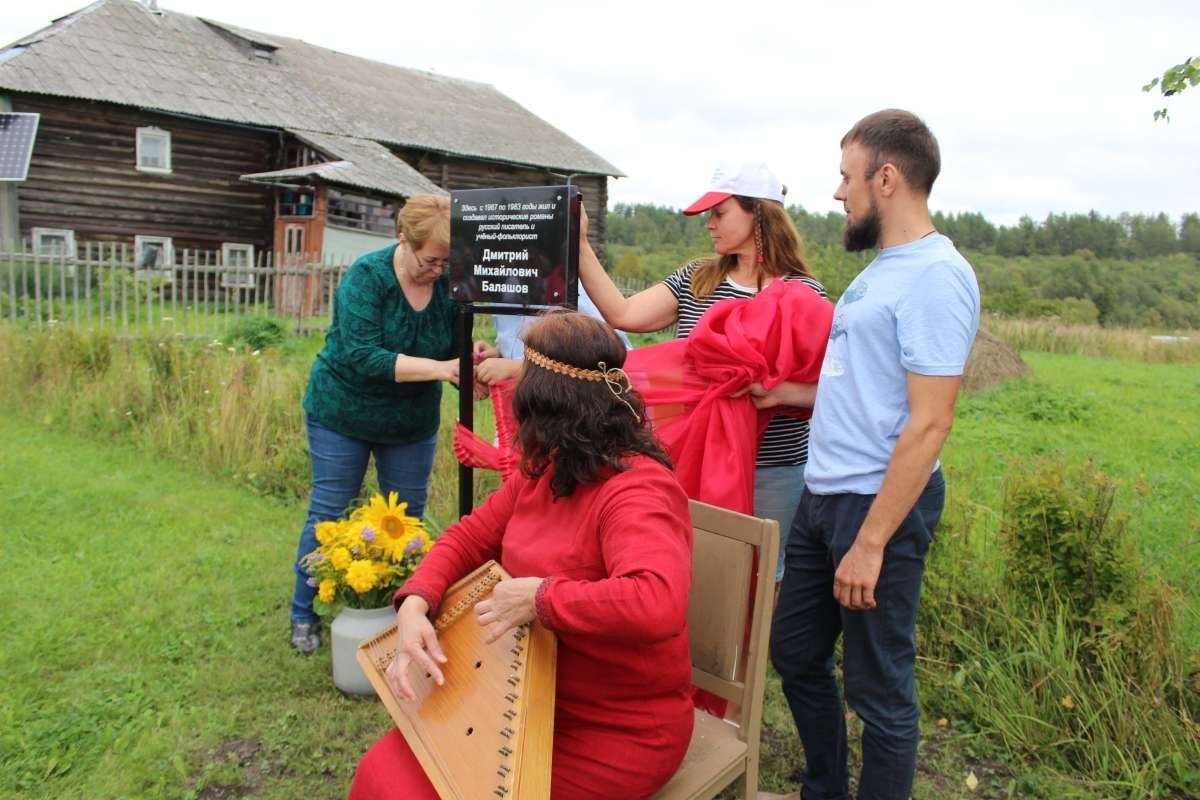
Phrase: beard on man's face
(864, 234)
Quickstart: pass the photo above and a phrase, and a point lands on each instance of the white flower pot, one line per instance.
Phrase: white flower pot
(350, 628)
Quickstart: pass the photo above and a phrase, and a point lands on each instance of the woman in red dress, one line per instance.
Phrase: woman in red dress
(596, 533)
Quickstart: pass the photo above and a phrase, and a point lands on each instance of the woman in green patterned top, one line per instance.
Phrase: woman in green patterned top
(376, 387)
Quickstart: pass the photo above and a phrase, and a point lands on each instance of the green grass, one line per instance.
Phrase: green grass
(145, 651)
(144, 633)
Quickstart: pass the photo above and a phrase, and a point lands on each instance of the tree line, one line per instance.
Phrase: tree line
(1135, 270)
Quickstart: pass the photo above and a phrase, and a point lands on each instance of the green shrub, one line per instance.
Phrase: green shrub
(256, 333)
(1063, 541)
(88, 352)
(127, 288)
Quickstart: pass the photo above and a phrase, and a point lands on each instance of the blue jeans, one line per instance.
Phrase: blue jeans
(776, 495)
(339, 464)
(879, 646)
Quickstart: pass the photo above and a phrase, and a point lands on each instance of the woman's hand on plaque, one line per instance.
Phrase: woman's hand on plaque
(511, 605)
(416, 644)
(583, 223)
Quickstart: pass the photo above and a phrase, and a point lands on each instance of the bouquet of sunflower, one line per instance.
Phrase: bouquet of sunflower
(362, 559)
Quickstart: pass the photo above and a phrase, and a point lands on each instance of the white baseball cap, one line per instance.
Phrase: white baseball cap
(748, 179)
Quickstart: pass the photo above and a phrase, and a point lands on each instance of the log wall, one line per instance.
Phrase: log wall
(82, 177)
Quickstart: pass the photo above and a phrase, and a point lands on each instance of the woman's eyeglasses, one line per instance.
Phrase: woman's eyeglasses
(431, 262)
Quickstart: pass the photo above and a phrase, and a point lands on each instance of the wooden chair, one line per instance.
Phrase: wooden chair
(724, 662)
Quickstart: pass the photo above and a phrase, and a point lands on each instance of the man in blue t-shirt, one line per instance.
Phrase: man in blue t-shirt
(874, 491)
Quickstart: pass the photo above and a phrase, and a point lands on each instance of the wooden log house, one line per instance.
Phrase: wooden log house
(174, 134)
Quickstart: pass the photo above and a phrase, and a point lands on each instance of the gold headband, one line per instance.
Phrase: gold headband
(612, 376)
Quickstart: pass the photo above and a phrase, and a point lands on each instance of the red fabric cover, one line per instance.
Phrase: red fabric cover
(619, 552)
(472, 451)
(778, 335)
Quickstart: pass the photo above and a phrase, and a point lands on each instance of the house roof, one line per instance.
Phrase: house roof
(362, 163)
(119, 51)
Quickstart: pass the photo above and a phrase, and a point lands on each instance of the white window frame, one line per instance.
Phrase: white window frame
(167, 247)
(158, 133)
(237, 280)
(36, 235)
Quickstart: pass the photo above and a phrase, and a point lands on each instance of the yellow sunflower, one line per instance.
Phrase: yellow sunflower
(392, 528)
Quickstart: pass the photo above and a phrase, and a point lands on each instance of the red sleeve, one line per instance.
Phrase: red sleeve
(462, 547)
(645, 532)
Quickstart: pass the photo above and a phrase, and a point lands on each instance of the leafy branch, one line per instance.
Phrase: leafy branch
(1173, 81)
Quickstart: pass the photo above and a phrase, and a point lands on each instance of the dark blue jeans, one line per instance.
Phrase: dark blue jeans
(339, 464)
(878, 646)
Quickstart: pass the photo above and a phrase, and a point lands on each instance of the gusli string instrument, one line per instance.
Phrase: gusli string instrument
(488, 731)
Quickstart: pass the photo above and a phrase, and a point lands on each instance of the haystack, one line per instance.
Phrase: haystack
(991, 362)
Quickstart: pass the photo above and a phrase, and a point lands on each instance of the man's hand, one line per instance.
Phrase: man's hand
(931, 400)
(856, 577)
(800, 395)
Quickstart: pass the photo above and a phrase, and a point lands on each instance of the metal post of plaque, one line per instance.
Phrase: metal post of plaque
(512, 251)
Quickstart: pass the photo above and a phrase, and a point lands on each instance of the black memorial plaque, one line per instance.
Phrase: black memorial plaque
(515, 248)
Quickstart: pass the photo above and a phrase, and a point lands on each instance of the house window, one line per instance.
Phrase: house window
(295, 203)
(153, 252)
(238, 261)
(298, 154)
(361, 212)
(53, 242)
(154, 150)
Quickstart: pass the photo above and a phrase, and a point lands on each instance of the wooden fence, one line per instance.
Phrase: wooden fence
(194, 293)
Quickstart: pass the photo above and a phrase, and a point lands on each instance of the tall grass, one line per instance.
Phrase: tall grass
(223, 409)
(1055, 336)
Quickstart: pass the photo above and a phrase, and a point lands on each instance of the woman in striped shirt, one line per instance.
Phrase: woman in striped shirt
(756, 243)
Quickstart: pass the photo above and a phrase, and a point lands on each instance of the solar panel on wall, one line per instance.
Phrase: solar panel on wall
(17, 132)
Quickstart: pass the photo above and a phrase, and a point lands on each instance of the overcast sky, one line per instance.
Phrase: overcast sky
(1037, 105)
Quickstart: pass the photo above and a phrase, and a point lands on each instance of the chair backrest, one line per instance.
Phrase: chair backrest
(733, 583)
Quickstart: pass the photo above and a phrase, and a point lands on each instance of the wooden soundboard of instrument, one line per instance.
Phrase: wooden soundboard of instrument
(488, 731)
